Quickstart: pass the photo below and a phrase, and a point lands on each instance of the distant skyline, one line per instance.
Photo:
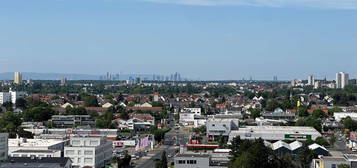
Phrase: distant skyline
(201, 39)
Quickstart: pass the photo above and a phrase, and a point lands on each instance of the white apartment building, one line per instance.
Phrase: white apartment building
(3, 146)
(5, 97)
(342, 79)
(311, 80)
(11, 96)
(196, 111)
(95, 152)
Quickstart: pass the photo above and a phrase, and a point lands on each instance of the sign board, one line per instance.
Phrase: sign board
(298, 136)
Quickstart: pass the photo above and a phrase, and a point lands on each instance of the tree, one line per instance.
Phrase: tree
(305, 156)
(38, 114)
(252, 154)
(332, 140)
(76, 111)
(21, 103)
(309, 121)
(318, 114)
(302, 112)
(350, 124)
(90, 101)
(343, 166)
(122, 163)
(322, 141)
(255, 113)
(9, 122)
(8, 106)
(164, 159)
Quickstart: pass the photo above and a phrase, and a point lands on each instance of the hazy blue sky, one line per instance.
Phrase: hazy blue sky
(206, 39)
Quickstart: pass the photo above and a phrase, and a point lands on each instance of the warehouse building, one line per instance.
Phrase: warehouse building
(275, 133)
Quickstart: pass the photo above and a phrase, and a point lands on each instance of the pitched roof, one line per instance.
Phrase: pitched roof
(315, 146)
(280, 144)
(295, 145)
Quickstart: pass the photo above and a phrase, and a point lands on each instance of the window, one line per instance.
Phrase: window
(191, 162)
(76, 142)
(333, 165)
(70, 152)
(213, 125)
(93, 142)
(88, 160)
(182, 162)
(79, 160)
(79, 152)
(88, 152)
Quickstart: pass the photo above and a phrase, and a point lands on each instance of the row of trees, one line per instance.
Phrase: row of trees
(254, 154)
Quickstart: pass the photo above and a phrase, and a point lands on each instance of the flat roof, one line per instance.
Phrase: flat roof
(278, 130)
(192, 155)
(33, 142)
(34, 151)
(338, 159)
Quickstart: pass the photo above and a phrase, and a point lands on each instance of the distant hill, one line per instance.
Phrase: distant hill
(58, 76)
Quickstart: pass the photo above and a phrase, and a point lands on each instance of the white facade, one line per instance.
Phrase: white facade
(275, 133)
(34, 144)
(221, 127)
(89, 151)
(339, 116)
(3, 146)
(187, 119)
(11, 96)
(16, 95)
(5, 97)
(342, 79)
(311, 80)
(196, 111)
(36, 153)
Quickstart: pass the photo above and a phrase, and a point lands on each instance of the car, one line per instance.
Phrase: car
(354, 149)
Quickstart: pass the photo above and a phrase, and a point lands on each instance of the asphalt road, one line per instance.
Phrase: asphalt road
(175, 136)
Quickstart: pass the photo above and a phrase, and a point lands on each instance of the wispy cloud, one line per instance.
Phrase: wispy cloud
(334, 4)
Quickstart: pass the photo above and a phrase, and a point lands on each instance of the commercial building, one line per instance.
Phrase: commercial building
(3, 146)
(67, 121)
(36, 153)
(275, 133)
(34, 144)
(217, 127)
(64, 133)
(200, 160)
(288, 116)
(94, 152)
(32, 162)
(342, 79)
(17, 77)
(336, 159)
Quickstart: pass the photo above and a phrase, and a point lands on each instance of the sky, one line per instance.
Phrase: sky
(201, 39)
